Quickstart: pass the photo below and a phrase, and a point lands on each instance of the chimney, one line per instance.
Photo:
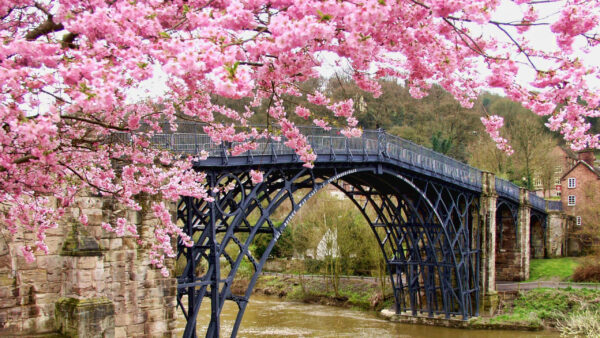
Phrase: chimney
(587, 156)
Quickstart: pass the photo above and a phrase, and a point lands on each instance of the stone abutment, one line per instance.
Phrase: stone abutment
(91, 284)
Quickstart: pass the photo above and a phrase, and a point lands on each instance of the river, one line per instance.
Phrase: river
(273, 317)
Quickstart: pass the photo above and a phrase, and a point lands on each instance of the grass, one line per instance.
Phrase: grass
(546, 269)
(571, 310)
(584, 323)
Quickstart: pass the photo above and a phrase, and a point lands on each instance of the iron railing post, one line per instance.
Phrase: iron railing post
(331, 152)
(364, 146)
(379, 141)
(196, 145)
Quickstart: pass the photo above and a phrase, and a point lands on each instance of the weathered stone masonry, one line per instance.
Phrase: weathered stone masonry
(506, 242)
(91, 284)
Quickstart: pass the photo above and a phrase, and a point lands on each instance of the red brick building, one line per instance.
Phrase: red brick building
(580, 188)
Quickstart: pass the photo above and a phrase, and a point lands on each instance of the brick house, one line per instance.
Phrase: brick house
(581, 188)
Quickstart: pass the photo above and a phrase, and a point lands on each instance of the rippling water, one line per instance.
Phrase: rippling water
(272, 317)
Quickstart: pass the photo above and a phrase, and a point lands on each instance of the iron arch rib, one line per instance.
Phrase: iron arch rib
(424, 240)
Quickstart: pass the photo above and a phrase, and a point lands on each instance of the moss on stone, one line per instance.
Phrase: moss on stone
(75, 316)
(80, 244)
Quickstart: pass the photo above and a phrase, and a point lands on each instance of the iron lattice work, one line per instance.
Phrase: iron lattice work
(426, 230)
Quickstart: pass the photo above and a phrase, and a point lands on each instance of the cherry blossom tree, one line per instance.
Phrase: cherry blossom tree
(68, 70)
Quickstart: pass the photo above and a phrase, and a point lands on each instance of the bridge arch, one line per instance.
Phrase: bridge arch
(423, 229)
(538, 235)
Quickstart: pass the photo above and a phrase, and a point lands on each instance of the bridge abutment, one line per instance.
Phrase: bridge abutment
(91, 283)
(82, 308)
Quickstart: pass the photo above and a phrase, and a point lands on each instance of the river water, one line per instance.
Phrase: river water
(273, 317)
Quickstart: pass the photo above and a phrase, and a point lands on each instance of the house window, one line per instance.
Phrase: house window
(572, 182)
(537, 182)
(571, 200)
(578, 220)
(558, 169)
(557, 181)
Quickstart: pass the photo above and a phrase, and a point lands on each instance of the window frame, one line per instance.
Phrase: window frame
(572, 180)
(578, 220)
(569, 200)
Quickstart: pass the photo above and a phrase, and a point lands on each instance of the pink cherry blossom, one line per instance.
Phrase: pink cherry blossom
(71, 124)
(302, 112)
(256, 176)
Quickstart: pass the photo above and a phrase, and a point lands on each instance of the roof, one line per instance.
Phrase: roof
(594, 170)
(570, 153)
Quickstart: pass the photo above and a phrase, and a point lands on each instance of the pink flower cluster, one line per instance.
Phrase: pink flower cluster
(492, 127)
(297, 142)
(66, 92)
(256, 176)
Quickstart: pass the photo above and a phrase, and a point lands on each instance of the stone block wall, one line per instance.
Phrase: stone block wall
(556, 234)
(91, 284)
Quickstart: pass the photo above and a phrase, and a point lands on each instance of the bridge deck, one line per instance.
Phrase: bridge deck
(332, 146)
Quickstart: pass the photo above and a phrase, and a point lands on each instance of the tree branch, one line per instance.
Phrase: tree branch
(98, 123)
(45, 28)
(518, 46)
(20, 160)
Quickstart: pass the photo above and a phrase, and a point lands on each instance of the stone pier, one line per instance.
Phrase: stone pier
(487, 216)
(524, 229)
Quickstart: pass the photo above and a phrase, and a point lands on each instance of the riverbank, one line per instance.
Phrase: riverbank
(363, 294)
(569, 310)
(575, 311)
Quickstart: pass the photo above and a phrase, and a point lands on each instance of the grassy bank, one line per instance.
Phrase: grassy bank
(572, 311)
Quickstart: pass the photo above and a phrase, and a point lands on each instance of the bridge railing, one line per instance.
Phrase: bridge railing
(507, 189)
(555, 205)
(190, 138)
(536, 201)
(425, 158)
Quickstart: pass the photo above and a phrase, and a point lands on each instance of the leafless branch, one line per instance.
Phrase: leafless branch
(518, 46)
(98, 123)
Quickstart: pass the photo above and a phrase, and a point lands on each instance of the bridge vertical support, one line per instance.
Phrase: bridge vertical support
(524, 226)
(214, 256)
(487, 224)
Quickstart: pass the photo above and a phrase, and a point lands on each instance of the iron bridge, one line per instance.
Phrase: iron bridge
(422, 208)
